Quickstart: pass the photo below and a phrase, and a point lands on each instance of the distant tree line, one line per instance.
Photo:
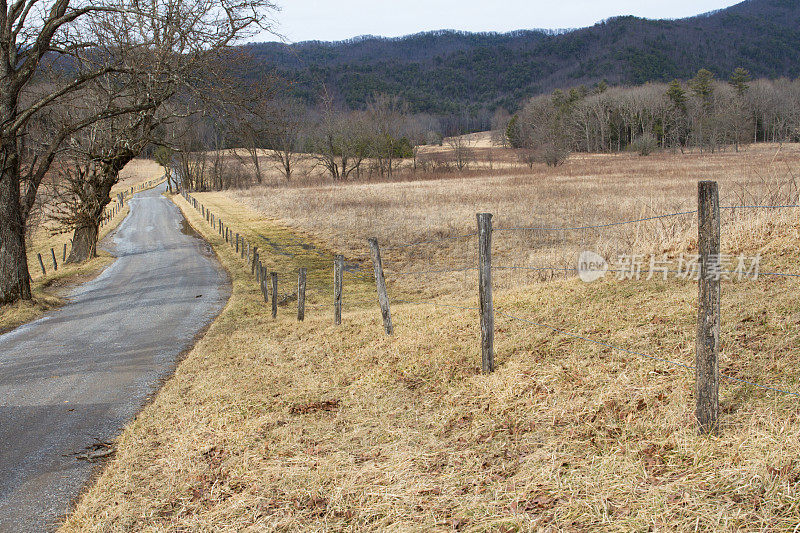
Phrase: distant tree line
(704, 113)
(220, 149)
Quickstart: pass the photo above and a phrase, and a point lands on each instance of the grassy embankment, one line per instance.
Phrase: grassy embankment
(275, 425)
(48, 289)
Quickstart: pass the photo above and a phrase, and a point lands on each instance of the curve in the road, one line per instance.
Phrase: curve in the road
(78, 375)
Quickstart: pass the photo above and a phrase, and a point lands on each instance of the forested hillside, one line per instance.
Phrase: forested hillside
(452, 72)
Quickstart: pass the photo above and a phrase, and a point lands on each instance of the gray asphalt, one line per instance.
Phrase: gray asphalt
(78, 375)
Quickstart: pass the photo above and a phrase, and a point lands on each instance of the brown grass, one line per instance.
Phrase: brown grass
(589, 189)
(279, 426)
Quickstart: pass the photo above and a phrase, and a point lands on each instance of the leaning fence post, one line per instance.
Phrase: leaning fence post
(485, 291)
(53, 253)
(338, 275)
(301, 295)
(380, 282)
(274, 276)
(41, 264)
(708, 314)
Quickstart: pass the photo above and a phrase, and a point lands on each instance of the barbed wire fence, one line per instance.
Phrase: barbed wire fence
(707, 271)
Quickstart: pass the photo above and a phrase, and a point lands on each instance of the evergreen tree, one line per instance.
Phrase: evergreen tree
(703, 86)
(677, 95)
(740, 80)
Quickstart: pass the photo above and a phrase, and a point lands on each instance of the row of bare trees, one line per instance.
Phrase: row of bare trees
(704, 113)
(244, 142)
(84, 88)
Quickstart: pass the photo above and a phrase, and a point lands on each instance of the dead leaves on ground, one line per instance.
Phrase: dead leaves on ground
(313, 407)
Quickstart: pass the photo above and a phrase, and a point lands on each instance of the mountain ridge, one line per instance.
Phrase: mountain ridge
(451, 72)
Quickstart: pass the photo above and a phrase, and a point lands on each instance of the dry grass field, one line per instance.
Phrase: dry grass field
(588, 190)
(47, 289)
(275, 425)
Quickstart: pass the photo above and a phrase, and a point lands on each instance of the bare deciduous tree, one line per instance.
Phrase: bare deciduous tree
(34, 33)
(164, 55)
(286, 136)
(461, 150)
(341, 143)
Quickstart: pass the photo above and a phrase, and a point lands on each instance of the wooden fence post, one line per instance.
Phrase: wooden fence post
(380, 282)
(237, 243)
(64, 259)
(274, 277)
(485, 291)
(262, 275)
(253, 264)
(338, 276)
(708, 314)
(53, 253)
(301, 294)
(41, 264)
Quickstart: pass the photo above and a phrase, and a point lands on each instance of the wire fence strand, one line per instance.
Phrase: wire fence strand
(432, 241)
(421, 272)
(640, 354)
(597, 226)
(758, 206)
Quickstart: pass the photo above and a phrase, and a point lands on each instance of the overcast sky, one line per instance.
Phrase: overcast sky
(333, 20)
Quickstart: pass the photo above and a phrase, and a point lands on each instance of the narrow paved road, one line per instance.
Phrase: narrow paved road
(76, 376)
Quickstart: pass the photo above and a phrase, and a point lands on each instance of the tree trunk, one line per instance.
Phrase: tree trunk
(14, 276)
(84, 244)
(84, 238)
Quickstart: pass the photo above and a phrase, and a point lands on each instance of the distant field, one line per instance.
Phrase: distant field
(590, 189)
